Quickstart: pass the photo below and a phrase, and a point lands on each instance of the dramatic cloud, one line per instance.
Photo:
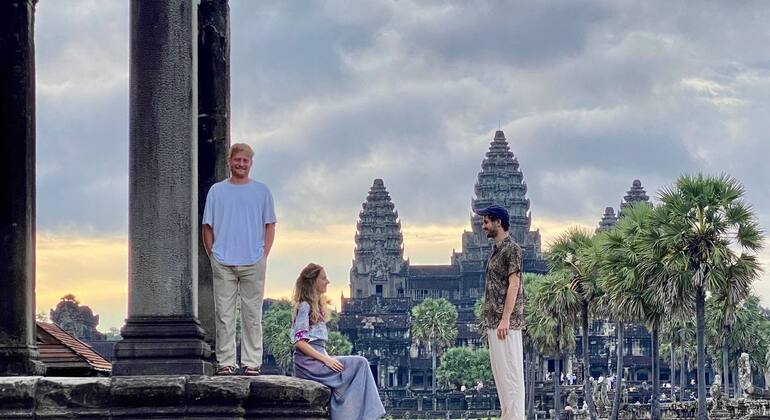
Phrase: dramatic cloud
(82, 116)
(334, 94)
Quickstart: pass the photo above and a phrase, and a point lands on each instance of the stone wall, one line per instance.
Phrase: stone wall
(745, 409)
(264, 397)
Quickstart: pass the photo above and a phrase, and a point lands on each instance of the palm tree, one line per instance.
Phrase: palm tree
(668, 348)
(705, 217)
(685, 337)
(434, 322)
(720, 316)
(614, 257)
(576, 253)
(613, 264)
(550, 323)
(688, 352)
(724, 304)
(749, 334)
(531, 284)
(766, 365)
(628, 269)
(675, 333)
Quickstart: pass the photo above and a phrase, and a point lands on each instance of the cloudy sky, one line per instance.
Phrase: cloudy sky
(332, 94)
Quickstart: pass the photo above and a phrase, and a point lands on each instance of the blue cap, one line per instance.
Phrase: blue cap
(497, 212)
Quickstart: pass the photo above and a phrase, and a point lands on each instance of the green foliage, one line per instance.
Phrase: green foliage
(531, 283)
(629, 267)
(550, 323)
(276, 327)
(338, 344)
(575, 252)
(434, 322)
(113, 334)
(704, 221)
(478, 308)
(707, 238)
(333, 323)
(464, 366)
(281, 304)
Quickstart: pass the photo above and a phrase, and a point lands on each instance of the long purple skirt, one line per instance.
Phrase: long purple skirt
(354, 392)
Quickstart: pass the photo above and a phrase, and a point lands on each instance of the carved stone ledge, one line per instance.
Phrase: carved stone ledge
(274, 397)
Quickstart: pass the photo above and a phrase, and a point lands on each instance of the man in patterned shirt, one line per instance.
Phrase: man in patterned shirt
(503, 314)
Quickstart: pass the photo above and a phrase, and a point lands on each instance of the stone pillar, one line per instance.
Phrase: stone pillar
(213, 131)
(162, 334)
(18, 350)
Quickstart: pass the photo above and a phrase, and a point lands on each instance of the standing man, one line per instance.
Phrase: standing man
(503, 314)
(238, 233)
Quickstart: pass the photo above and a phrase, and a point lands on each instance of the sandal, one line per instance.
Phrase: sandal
(226, 371)
(250, 371)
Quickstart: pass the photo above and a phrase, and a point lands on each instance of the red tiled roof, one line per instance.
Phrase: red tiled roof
(70, 350)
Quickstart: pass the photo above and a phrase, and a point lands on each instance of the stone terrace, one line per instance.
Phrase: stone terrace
(263, 397)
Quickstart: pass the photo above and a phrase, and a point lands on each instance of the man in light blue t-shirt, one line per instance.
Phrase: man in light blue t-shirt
(238, 233)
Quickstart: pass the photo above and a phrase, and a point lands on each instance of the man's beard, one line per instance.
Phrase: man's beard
(491, 233)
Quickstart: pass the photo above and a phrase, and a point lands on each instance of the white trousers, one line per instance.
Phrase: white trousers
(507, 358)
(249, 280)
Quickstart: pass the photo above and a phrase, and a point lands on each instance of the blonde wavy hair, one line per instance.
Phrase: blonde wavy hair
(305, 291)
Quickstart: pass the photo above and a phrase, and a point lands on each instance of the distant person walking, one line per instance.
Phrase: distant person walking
(503, 313)
(354, 392)
(238, 233)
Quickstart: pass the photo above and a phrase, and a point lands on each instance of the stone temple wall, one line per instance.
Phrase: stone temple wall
(263, 397)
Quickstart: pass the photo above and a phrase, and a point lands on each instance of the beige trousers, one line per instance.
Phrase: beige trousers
(507, 358)
(228, 281)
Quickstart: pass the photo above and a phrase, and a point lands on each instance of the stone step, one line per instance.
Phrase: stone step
(214, 397)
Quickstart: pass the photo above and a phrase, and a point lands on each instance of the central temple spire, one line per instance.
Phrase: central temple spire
(500, 182)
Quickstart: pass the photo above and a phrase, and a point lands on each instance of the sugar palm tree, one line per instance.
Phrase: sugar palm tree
(434, 322)
(531, 284)
(575, 252)
(766, 366)
(675, 333)
(628, 267)
(613, 265)
(724, 303)
(550, 322)
(705, 219)
(749, 334)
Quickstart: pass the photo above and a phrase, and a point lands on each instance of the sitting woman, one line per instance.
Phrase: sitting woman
(354, 393)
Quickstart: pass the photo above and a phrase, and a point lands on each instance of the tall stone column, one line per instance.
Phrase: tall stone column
(18, 352)
(162, 334)
(213, 131)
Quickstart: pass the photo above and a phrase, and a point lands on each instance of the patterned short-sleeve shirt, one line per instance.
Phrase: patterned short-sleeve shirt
(505, 259)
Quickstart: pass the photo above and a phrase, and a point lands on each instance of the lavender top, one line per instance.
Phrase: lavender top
(301, 328)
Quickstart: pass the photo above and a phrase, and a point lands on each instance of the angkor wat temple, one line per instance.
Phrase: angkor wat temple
(384, 285)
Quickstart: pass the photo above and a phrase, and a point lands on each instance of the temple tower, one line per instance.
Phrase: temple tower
(500, 182)
(609, 219)
(636, 194)
(379, 267)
